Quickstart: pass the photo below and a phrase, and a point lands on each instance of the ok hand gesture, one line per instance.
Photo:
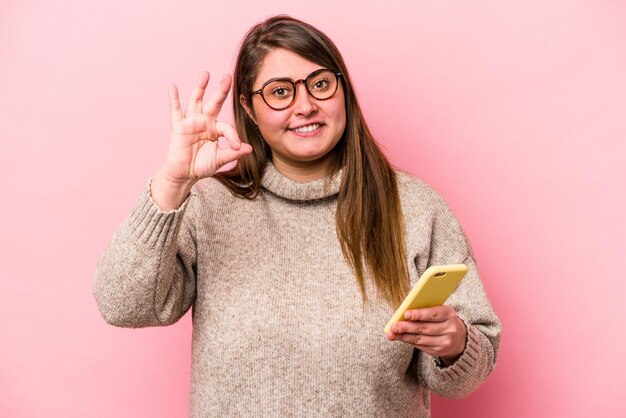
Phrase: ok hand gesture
(193, 151)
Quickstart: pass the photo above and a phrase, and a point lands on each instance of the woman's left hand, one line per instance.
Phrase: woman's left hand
(437, 331)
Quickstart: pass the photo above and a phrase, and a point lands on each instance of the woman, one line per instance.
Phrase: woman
(295, 259)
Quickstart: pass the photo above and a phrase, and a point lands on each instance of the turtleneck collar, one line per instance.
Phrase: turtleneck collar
(277, 183)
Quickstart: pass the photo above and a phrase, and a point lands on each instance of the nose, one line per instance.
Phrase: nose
(304, 104)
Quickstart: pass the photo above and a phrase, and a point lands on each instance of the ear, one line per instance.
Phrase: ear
(244, 103)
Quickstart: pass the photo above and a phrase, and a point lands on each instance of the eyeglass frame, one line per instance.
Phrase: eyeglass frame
(295, 87)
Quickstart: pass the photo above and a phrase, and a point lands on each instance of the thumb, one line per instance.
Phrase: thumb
(228, 155)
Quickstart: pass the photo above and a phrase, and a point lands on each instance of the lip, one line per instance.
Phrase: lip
(307, 134)
(311, 122)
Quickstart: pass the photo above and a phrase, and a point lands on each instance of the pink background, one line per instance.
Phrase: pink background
(515, 111)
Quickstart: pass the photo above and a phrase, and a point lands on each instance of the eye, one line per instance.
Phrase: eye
(321, 84)
(279, 90)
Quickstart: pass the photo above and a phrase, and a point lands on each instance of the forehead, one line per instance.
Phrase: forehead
(282, 63)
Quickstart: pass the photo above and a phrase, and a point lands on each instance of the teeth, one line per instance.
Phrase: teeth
(308, 128)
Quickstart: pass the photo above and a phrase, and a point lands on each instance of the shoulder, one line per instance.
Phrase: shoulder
(421, 203)
(416, 193)
(425, 211)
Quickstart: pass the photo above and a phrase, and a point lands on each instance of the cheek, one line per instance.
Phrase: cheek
(342, 113)
(271, 122)
(340, 118)
(340, 110)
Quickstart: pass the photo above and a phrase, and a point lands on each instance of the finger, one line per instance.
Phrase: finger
(230, 133)
(176, 113)
(427, 342)
(194, 105)
(433, 314)
(194, 126)
(228, 155)
(214, 104)
(420, 327)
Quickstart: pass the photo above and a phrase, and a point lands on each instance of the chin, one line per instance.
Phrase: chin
(309, 155)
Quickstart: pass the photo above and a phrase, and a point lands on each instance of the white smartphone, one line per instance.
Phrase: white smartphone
(432, 289)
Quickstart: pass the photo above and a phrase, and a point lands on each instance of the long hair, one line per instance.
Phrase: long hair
(369, 219)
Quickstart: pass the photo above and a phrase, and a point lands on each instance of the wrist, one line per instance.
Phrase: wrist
(173, 182)
(169, 193)
(449, 360)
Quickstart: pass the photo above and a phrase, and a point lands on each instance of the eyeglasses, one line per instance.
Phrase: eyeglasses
(280, 93)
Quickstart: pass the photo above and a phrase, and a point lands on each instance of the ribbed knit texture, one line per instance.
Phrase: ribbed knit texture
(279, 327)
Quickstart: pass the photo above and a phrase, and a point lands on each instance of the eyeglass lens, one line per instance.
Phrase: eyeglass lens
(279, 94)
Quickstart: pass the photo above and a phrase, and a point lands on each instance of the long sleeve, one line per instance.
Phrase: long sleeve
(448, 245)
(146, 276)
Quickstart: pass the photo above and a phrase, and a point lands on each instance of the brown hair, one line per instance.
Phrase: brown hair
(369, 216)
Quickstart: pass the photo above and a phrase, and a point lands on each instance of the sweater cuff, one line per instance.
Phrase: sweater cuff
(464, 366)
(150, 225)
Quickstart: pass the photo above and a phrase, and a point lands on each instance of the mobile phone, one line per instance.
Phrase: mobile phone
(432, 289)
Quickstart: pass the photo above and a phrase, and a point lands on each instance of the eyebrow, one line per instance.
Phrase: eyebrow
(291, 79)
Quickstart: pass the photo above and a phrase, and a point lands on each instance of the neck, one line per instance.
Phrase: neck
(301, 172)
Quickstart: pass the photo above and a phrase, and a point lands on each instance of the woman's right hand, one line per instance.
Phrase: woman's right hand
(193, 151)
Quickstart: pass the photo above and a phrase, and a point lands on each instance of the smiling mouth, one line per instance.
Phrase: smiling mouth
(307, 128)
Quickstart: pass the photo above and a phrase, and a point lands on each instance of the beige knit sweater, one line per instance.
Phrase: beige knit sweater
(279, 327)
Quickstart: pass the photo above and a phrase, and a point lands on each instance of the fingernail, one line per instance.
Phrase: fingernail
(407, 315)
